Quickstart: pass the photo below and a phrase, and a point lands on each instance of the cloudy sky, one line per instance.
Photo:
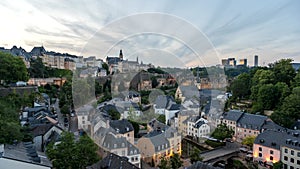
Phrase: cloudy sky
(167, 33)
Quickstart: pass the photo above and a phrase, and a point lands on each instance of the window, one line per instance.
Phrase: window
(271, 152)
(123, 153)
(298, 162)
(292, 160)
(292, 152)
(115, 145)
(291, 167)
(259, 148)
(260, 154)
(286, 150)
(298, 154)
(132, 159)
(271, 158)
(285, 158)
(249, 131)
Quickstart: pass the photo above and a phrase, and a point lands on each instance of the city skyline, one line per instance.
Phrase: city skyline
(237, 29)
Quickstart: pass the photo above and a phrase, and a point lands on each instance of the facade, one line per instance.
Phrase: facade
(197, 127)
(249, 125)
(278, 145)
(231, 118)
(181, 119)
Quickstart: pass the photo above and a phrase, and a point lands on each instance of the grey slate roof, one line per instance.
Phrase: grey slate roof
(189, 91)
(158, 139)
(132, 150)
(162, 101)
(155, 125)
(112, 142)
(251, 121)
(232, 115)
(113, 161)
(276, 139)
(121, 126)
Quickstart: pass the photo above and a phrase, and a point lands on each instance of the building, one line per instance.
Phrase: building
(113, 161)
(255, 60)
(181, 121)
(232, 62)
(23, 155)
(110, 141)
(124, 129)
(278, 145)
(153, 146)
(166, 105)
(231, 119)
(243, 62)
(249, 125)
(197, 127)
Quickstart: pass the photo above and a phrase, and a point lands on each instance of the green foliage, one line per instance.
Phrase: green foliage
(39, 70)
(284, 71)
(277, 165)
(176, 161)
(214, 143)
(136, 127)
(248, 141)
(195, 156)
(161, 118)
(222, 132)
(105, 66)
(156, 70)
(289, 111)
(241, 86)
(164, 163)
(12, 69)
(70, 154)
(115, 115)
(10, 105)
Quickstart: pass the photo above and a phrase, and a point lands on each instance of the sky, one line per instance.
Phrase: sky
(162, 32)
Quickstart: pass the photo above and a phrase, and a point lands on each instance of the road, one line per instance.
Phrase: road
(215, 153)
(60, 117)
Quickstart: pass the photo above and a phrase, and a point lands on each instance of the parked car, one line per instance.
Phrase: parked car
(21, 83)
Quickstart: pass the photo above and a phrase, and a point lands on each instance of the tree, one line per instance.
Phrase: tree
(241, 86)
(136, 127)
(164, 163)
(248, 141)
(176, 161)
(12, 69)
(195, 156)
(115, 115)
(161, 118)
(222, 132)
(37, 68)
(70, 154)
(284, 71)
(289, 112)
(268, 96)
(277, 165)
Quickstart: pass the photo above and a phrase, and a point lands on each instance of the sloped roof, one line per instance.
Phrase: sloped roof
(121, 126)
(163, 101)
(251, 121)
(113, 161)
(233, 115)
(157, 138)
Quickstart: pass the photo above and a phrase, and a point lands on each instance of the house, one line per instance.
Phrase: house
(166, 105)
(278, 145)
(124, 129)
(110, 141)
(113, 161)
(187, 92)
(192, 104)
(249, 125)
(128, 109)
(153, 146)
(44, 134)
(197, 127)
(231, 119)
(141, 81)
(23, 155)
(132, 96)
(158, 143)
(84, 115)
(181, 119)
